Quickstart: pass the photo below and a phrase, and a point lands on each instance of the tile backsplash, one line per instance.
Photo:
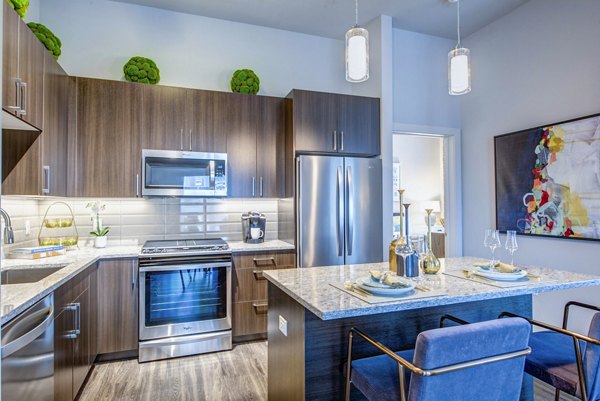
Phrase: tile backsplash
(138, 220)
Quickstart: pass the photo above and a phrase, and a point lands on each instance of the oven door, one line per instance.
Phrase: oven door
(183, 299)
(178, 173)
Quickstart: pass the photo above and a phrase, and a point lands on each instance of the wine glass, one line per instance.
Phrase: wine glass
(511, 244)
(492, 241)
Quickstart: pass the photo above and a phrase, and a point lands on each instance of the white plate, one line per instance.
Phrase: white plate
(383, 289)
(499, 276)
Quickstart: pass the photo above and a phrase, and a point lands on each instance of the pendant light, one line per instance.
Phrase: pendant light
(357, 51)
(459, 64)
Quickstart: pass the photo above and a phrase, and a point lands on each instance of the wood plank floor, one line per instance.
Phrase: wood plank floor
(237, 375)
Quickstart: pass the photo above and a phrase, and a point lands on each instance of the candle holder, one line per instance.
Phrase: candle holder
(431, 264)
(397, 238)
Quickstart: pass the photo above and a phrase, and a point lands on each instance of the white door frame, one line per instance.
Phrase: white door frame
(452, 179)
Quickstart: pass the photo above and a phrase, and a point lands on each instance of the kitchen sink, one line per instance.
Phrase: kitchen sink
(27, 275)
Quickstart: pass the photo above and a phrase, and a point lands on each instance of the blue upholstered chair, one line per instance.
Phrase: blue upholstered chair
(568, 361)
(479, 361)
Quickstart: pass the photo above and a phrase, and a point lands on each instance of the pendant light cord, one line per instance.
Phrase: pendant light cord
(457, 23)
(356, 12)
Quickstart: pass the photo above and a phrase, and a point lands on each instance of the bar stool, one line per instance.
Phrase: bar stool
(566, 360)
(472, 362)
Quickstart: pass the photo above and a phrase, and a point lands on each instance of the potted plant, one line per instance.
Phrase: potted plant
(99, 233)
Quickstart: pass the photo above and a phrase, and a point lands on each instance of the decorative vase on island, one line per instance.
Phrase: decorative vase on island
(407, 260)
(392, 259)
(431, 264)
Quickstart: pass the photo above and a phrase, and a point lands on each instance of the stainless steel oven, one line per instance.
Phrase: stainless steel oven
(181, 173)
(185, 303)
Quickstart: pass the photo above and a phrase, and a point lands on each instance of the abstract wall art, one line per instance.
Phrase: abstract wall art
(548, 180)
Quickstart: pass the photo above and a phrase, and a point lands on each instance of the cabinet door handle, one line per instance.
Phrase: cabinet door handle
(23, 111)
(260, 187)
(132, 275)
(258, 275)
(16, 108)
(260, 307)
(46, 186)
(253, 187)
(257, 261)
(334, 139)
(72, 334)
(181, 139)
(190, 139)
(137, 185)
(342, 140)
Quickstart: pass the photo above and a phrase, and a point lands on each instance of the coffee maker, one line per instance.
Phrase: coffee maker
(253, 227)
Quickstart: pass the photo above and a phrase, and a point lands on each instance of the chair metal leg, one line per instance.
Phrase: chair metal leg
(349, 366)
(580, 370)
(402, 383)
(557, 395)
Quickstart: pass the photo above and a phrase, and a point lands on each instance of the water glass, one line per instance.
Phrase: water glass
(492, 241)
(511, 244)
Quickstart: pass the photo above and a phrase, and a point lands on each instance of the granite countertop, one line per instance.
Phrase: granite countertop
(15, 298)
(311, 287)
(273, 245)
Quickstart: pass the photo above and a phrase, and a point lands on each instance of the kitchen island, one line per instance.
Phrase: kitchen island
(305, 362)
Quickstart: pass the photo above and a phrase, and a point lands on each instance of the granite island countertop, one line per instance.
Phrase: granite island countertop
(311, 287)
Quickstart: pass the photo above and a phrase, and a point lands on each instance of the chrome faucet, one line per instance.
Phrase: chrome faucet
(9, 236)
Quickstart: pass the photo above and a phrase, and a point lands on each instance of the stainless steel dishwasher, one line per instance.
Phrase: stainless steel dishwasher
(28, 354)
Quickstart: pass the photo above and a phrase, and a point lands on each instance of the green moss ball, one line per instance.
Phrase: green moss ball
(47, 37)
(141, 70)
(245, 81)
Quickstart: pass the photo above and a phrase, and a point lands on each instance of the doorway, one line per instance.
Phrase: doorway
(419, 168)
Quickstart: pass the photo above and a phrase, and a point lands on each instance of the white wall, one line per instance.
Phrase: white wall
(99, 36)
(421, 81)
(536, 65)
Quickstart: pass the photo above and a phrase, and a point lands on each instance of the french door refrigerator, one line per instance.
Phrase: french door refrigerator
(338, 210)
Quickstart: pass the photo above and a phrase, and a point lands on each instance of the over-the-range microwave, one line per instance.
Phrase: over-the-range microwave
(181, 173)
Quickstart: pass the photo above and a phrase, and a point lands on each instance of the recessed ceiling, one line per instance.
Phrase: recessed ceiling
(332, 18)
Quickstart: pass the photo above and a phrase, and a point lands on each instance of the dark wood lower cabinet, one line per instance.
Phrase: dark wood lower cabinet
(250, 305)
(73, 334)
(117, 300)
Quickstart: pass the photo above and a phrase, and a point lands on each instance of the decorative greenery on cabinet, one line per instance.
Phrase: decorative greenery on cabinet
(141, 70)
(245, 81)
(20, 6)
(47, 37)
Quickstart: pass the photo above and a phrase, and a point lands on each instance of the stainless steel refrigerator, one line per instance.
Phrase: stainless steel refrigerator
(338, 210)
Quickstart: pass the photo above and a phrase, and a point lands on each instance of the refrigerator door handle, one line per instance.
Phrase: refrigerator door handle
(351, 211)
(339, 211)
(299, 210)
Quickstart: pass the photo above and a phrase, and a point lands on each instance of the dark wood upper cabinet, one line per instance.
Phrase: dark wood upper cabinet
(164, 112)
(358, 125)
(314, 121)
(21, 167)
(55, 134)
(10, 58)
(201, 123)
(31, 71)
(22, 70)
(117, 300)
(270, 145)
(329, 123)
(108, 138)
(234, 117)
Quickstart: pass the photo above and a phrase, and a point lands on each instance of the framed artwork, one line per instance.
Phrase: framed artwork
(548, 180)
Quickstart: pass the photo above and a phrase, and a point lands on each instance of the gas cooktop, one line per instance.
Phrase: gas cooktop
(196, 246)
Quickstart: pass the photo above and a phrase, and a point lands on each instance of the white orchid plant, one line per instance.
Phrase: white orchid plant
(96, 208)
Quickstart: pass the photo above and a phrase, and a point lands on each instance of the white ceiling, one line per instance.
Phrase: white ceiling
(331, 18)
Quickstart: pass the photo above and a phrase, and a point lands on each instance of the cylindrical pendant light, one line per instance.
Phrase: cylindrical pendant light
(459, 63)
(357, 52)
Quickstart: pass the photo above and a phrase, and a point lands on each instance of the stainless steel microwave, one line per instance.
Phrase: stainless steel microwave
(181, 173)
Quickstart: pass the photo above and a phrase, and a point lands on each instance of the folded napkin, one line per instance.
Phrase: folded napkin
(499, 266)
